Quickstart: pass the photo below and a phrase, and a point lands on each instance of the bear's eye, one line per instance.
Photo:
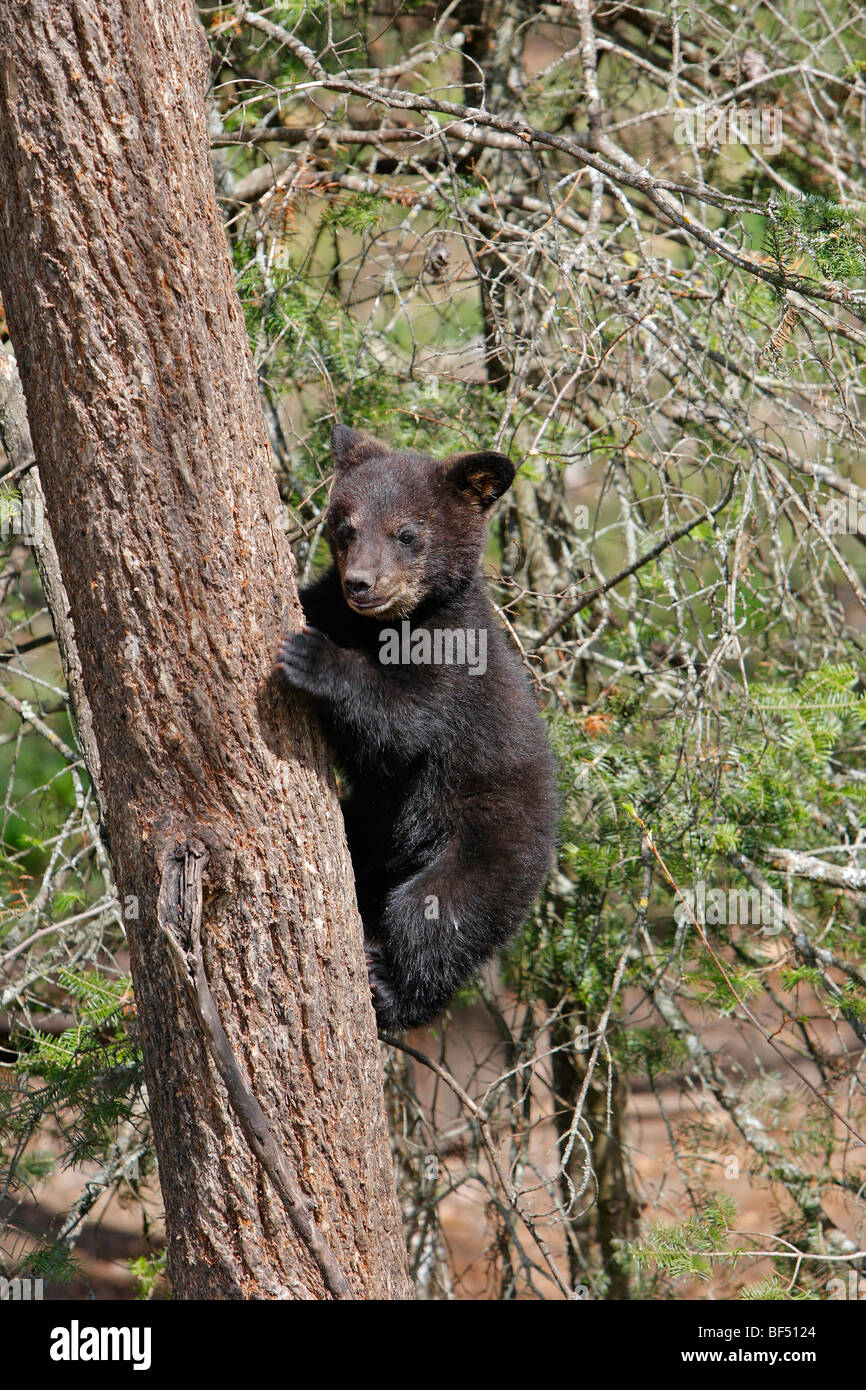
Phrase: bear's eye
(345, 532)
(407, 538)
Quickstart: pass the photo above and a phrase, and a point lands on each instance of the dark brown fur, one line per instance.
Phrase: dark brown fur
(451, 808)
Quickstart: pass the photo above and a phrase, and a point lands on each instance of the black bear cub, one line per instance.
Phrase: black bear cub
(450, 808)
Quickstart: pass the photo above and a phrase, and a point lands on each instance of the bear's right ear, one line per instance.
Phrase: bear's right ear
(480, 478)
(351, 447)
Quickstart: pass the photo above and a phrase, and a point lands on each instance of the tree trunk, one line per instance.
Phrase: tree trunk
(147, 428)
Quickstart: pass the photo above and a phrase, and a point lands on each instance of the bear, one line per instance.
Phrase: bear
(450, 802)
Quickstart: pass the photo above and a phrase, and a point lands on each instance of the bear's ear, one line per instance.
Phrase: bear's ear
(351, 447)
(479, 478)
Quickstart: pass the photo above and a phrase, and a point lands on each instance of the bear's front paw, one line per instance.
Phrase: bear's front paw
(384, 999)
(308, 660)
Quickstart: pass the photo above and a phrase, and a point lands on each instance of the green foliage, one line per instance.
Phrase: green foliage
(648, 1051)
(55, 1263)
(299, 327)
(150, 1274)
(814, 228)
(83, 1084)
(721, 994)
(361, 213)
(774, 1290)
(288, 12)
(812, 718)
(691, 1249)
(799, 975)
(90, 1076)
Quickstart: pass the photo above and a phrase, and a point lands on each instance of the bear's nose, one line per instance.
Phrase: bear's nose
(358, 584)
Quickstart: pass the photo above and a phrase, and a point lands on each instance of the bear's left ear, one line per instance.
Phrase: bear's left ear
(351, 447)
(479, 478)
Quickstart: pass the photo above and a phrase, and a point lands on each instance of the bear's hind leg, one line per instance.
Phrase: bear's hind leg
(433, 931)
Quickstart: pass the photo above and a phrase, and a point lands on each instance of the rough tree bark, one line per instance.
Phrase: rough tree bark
(221, 810)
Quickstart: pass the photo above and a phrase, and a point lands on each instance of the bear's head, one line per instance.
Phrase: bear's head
(406, 529)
